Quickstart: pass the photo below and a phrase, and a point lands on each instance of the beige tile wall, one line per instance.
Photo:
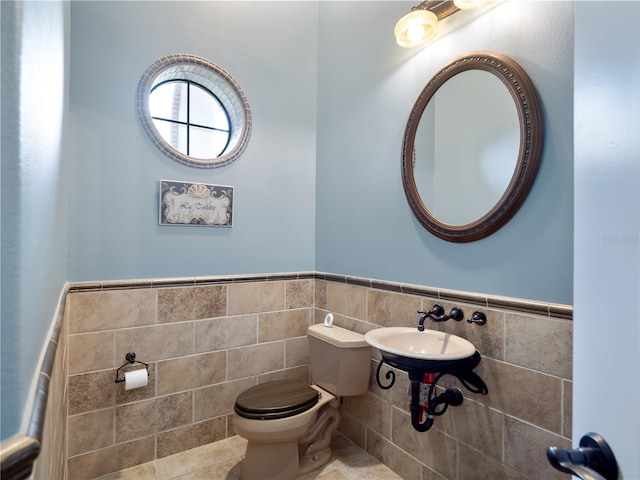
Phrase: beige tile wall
(205, 343)
(527, 365)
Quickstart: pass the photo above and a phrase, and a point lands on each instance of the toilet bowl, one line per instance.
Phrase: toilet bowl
(287, 423)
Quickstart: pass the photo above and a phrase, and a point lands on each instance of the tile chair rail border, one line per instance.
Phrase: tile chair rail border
(555, 310)
(19, 453)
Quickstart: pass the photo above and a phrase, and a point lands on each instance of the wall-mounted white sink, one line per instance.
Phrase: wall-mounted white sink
(428, 351)
(427, 345)
(408, 348)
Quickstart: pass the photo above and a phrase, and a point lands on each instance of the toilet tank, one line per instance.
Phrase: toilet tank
(339, 359)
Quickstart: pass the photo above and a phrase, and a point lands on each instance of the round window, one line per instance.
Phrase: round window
(194, 111)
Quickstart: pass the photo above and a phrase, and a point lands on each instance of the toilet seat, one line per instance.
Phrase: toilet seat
(276, 399)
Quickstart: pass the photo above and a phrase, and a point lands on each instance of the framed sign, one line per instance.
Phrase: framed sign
(195, 204)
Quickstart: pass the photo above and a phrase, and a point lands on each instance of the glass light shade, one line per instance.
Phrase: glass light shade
(471, 4)
(416, 28)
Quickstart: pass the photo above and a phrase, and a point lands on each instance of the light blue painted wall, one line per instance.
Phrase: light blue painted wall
(362, 224)
(607, 228)
(289, 57)
(270, 49)
(364, 92)
(34, 168)
(366, 88)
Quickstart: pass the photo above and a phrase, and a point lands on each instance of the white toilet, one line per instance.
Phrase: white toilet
(288, 424)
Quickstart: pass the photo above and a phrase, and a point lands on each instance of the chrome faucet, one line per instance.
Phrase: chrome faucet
(437, 315)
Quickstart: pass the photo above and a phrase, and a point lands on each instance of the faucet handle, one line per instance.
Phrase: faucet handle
(437, 314)
(437, 310)
(478, 318)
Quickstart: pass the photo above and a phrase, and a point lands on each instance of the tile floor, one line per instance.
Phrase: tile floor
(221, 461)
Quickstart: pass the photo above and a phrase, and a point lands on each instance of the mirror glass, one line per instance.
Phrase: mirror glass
(194, 111)
(464, 158)
(472, 147)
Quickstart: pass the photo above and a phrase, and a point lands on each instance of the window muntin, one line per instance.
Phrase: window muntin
(190, 118)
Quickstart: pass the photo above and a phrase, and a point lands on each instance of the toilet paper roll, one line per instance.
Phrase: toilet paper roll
(136, 379)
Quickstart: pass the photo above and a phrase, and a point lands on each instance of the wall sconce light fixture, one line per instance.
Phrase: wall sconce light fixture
(420, 25)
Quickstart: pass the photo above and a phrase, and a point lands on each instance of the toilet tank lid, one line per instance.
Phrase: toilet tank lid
(337, 336)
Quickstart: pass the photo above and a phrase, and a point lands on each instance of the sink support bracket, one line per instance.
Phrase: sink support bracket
(436, 404)
(390, 375)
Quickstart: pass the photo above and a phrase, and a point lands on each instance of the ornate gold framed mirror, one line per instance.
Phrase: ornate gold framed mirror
(472, 146)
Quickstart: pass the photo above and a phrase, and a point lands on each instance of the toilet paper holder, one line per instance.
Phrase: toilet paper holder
(131, 359)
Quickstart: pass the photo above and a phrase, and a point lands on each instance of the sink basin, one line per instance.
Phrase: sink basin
(426, 345)
(430, 350)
